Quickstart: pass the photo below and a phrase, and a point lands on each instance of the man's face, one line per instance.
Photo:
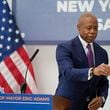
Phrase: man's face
(88, 28)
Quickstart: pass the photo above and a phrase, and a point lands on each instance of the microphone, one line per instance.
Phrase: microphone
(34, 55)
(24, 85)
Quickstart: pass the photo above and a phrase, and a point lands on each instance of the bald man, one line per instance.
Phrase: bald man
(83, 67)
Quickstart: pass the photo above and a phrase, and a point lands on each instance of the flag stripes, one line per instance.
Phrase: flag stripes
(16, 75)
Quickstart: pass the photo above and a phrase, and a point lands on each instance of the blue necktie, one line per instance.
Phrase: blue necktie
(90, 56)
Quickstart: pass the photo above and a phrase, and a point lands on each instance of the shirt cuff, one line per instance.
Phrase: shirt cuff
(89, 74)
(103, 99)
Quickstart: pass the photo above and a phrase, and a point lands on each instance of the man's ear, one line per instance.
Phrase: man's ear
(78, 27)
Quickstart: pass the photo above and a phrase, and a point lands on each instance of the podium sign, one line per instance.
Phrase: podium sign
(25, 102)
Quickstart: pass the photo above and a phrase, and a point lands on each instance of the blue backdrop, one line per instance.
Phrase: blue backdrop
(54, 21)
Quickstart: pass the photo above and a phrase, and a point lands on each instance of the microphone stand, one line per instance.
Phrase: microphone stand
(24, 84)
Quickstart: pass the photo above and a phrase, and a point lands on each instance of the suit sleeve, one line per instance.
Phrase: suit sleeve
(66, 65)
(104, 83)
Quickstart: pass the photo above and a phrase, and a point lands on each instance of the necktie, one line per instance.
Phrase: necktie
(90, 56)
(92, 87)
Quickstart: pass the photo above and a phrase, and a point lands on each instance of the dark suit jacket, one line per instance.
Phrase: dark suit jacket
(73, 73)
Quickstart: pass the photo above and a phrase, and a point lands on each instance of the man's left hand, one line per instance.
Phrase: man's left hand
(95, 103)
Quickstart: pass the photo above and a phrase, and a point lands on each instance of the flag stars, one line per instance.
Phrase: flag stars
(23, 35)
(8, 47)
(10, 21)
(16, 40)
(3, 19)
(9, 38)
(4, 2)
(17, 31)
(1, 37)
(1, 45)
(4, 11)
(9, 30)
(2, 28)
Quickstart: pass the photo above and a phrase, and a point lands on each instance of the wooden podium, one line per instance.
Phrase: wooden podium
(60, 103)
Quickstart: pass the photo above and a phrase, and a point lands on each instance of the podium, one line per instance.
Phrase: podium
(33, 102)
(25, 102)
(60, 103)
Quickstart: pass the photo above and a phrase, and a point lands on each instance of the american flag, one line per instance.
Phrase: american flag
(14, 59)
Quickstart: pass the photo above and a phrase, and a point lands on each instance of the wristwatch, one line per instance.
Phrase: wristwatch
(92, 72)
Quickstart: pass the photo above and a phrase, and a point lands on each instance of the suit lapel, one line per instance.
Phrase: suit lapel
(80, 51)
(96, 52)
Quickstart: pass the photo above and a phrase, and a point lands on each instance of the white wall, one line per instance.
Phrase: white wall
(45, 68)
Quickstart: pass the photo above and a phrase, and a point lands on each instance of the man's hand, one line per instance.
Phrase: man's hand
(95, 103)
(102, 69)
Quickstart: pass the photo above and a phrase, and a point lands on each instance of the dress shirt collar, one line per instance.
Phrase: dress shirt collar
(84, 43)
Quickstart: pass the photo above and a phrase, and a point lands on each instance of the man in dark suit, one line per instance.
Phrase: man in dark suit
(83, 70)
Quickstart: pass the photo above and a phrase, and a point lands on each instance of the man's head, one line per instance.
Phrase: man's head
(88, 27)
